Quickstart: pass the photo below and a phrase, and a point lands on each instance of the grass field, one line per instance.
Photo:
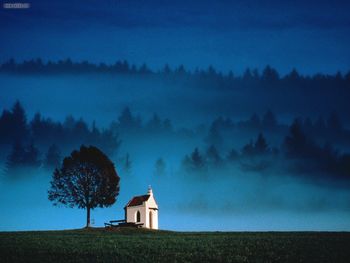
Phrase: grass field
(135, 245)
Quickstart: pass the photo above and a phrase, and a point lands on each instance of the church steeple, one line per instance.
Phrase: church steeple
(150, 192)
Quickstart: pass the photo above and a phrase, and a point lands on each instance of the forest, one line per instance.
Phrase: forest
(304, 146)
(210, 76)
(252, 139)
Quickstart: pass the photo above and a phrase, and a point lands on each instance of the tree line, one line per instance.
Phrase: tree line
(16, 129)
(306, 156)
(40, 142)
(250, 77)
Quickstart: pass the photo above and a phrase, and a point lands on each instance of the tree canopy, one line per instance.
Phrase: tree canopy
(87, 179)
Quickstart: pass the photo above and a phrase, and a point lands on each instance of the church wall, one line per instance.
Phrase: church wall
(131, 214)
(154, 216)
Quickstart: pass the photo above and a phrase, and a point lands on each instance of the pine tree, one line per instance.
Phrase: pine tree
(19, 127)
(53, 157)
(15, 160)
(214, 137)
(213, 156)
(197, 160)
(295, 144)
(248, 149)
(32, 156)
(261, 146)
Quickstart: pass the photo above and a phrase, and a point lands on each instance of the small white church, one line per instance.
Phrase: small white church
(142, 210)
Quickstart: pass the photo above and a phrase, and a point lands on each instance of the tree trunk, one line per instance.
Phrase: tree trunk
(88, 217)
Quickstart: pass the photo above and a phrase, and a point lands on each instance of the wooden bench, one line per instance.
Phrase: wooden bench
(122, 223)
(112, 223)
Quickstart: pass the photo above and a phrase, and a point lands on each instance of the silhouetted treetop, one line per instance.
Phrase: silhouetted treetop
(53, 157)
(87, 179)
(213, 156)
(296, 143)
(261, 146)
(13, 124)
(269, 76)
(258, 148)
(21, 159)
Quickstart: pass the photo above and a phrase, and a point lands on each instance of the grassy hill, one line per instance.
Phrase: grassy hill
(136, 245)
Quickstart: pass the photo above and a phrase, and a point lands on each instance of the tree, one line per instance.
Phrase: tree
(20, 130)
(87, 179)
(154, 124)
(14, 125)
(15, 159)
(144, 69)
(37, 127)
(21, 159)
(81, 129)
(296, 144)
(293, 76)
(109, 142)
(197, 159)
(53, 157)
(180, 70)
(127, 122)
(31, 157)
(5, 124)
(261, 146)
(213, 156)
(248, 149)
(270, 75)
(247, 75)
(214, 137)
(166, 70)
(195, 162)
(69, 123)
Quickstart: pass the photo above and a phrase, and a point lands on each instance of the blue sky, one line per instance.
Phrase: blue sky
(312, 36)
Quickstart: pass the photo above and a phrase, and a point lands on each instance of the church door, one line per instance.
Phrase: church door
(138, 217)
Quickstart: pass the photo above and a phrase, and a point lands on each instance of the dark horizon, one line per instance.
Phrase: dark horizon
(67, 65)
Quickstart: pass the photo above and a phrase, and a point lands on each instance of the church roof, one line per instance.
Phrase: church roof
(137, 200)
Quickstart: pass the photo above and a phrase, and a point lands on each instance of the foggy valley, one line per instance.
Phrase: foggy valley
(222, 152)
